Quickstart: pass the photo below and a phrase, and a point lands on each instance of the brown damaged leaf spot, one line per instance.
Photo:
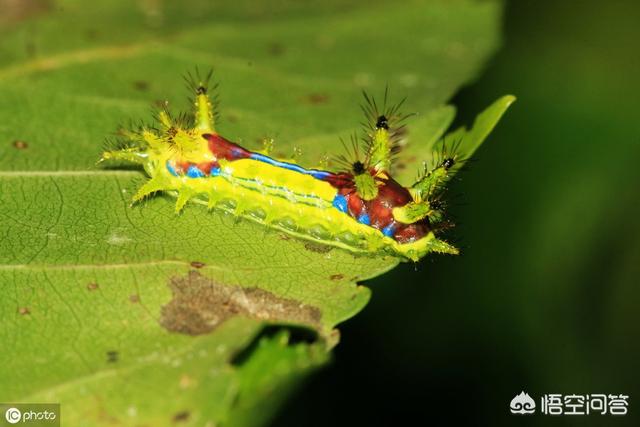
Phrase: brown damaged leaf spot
(276, 49)
(134, 299)
(200, 305)
(317, 247)
(181, 416)
(336, 276)
(186, 382)
(20, 144)
(24, 311)
(316, 98)
(197, 264)
(411, 159)
(92, 286)
(141, 85)
(92, 34)
(16, 11)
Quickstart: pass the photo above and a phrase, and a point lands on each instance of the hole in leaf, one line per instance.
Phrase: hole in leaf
(297, 334)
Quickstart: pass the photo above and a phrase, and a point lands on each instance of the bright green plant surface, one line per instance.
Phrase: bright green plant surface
(134, 315)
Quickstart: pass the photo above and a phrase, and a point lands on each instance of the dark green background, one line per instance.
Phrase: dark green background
(545, 297)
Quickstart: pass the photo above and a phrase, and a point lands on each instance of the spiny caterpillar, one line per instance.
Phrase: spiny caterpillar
(360, 208)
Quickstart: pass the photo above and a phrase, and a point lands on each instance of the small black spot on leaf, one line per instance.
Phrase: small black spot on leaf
(276, 49)
(181, 416)
(112, 356)
(141, 85)
(92, 34)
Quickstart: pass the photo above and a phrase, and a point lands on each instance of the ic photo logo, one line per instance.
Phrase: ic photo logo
(13, 415)
(30, 414)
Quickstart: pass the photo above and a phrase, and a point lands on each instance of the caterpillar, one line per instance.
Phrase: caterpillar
(359, 207)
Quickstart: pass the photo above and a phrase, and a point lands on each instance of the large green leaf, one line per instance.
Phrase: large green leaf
(136, 315)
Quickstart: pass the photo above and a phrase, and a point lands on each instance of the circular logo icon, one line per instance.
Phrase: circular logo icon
(13, 415)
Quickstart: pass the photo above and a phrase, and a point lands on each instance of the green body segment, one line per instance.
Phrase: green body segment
(285, 200)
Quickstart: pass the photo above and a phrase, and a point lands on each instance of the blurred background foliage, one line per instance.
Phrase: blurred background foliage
(545, 297)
